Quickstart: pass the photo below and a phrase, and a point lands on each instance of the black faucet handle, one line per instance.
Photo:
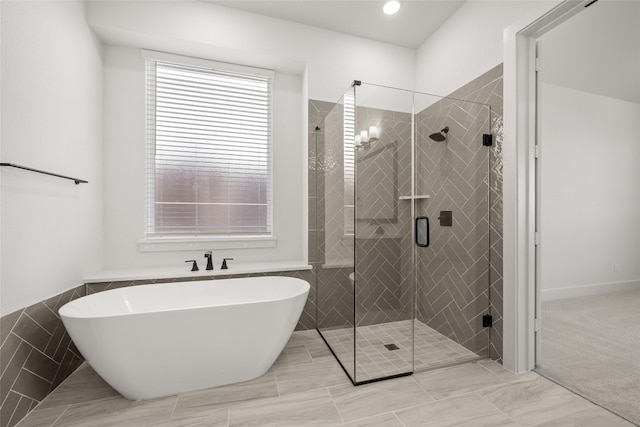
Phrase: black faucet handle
(194, 267)
(209, 258)
(224, 263)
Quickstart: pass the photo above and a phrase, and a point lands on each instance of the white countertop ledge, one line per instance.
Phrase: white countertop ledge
(185, 271)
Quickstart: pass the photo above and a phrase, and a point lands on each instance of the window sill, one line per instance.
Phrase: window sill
(172, 272)
(170, 244)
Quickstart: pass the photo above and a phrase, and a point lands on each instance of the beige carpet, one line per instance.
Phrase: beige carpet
(591, 345)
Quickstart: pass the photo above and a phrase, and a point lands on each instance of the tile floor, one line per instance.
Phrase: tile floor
(374, 360)
(306, 386)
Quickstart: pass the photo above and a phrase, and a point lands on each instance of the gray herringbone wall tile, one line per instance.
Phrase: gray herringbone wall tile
(455, 287)
(384, 284)
(37, 355)
(456, 284)
(334, 298)
(378, 254)
(495, 99)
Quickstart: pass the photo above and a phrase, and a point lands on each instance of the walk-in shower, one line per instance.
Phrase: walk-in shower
(387, 303)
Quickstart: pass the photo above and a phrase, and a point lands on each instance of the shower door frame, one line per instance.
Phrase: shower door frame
(355, 382)
(414, 254)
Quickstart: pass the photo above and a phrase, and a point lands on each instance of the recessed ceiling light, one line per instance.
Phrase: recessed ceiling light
(391, 7)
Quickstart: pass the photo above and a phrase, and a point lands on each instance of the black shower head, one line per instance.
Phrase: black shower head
(440, 136)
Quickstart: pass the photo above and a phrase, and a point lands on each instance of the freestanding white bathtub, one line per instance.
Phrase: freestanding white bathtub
(150, 341)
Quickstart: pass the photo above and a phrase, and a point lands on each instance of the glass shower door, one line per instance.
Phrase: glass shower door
(452, 169)
(386, 160)
(383, 244)
(335, 312)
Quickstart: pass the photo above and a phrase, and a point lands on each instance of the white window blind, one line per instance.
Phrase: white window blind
(349, 161)
(208, 152)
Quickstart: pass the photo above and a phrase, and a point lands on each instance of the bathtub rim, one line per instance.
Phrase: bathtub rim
(294, 294)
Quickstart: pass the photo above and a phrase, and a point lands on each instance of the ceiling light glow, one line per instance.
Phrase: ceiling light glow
(391, 7)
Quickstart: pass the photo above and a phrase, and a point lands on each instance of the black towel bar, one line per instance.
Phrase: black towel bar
(76, 180)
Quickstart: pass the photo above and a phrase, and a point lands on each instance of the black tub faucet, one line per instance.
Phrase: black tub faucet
(224, 263)
(207, 255)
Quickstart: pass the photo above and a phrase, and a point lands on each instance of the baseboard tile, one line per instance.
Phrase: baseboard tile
(586, 290)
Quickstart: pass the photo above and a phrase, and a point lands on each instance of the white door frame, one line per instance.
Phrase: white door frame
(519, 190)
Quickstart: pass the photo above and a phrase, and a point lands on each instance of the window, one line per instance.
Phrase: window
(349, 161)
(208, 150)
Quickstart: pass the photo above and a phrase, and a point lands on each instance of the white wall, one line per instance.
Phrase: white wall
(590, 202)
(309, 63)
(590, 168)
(332, 60)
(604, 62)
(124, 166)
(52, 120)
(469, 43)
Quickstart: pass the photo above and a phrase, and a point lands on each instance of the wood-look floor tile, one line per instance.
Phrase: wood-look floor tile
(469, 410)
(310, 336)
(219, 418)
(299, 409)
(118, 411)
(501, 372)
(535, 401)
(591, 417)
(42, 417)
(372, 399)
(456, 380)
(83, 385)
(384, 420)
(299, 378)
(290, 356)
(207, 402)
(319, 351)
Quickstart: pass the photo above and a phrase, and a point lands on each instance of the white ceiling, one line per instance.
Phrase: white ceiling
(411, 26)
